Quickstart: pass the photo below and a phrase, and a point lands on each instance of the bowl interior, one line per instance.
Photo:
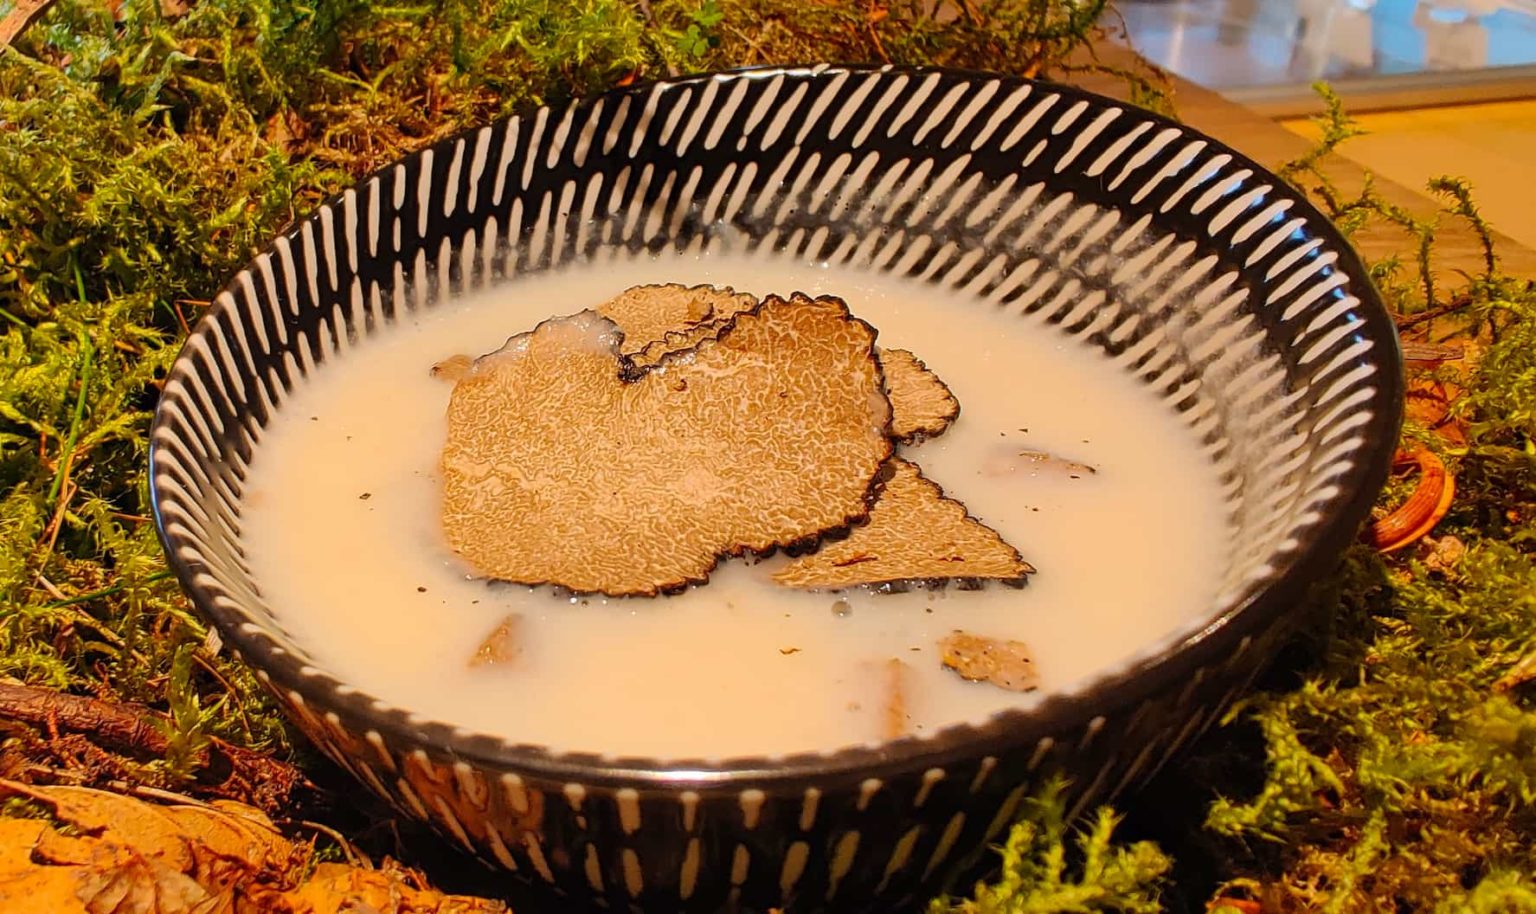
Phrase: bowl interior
(1206, 278)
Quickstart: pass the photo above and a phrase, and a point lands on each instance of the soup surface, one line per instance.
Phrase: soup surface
(341, 529)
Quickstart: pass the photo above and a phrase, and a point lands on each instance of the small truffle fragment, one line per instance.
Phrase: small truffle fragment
(914, 534)
(1005, 664)
(658, 319)
(896, 712)
(557, 470)
(453, 368)
(1007, 461)
(922, 406)
(502, 646)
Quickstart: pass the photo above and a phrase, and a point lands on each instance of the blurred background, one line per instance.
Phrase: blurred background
(1377, 53)
(1440, 86)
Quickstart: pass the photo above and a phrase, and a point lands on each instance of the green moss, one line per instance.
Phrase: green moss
(1048, 868)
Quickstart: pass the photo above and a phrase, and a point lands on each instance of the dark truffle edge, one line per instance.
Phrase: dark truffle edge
(648, 354)
(959, 582)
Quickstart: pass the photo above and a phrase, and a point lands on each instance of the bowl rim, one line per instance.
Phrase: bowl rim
(1227, 630)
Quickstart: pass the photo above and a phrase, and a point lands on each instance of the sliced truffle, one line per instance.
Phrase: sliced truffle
(658, 319)
(502, 646)
(557, 470)
(1005, 664)
(922, 406)
(914, 534)
(677, 341)
(1008, 461)
(896, 715)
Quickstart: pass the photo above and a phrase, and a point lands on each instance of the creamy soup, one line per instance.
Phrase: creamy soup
(341, 528)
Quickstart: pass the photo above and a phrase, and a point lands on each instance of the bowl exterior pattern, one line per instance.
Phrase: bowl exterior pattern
(1206, 278)
(874, 841)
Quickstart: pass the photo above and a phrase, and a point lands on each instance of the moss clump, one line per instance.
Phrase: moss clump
(1050, 868)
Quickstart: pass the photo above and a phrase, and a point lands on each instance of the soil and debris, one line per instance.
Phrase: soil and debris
(1009, 461)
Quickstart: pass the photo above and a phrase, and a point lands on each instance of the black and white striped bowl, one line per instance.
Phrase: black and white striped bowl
(1201, 274)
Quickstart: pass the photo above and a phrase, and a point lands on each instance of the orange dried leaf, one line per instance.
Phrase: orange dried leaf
(134, 857)
(41, 890)
(336, 888)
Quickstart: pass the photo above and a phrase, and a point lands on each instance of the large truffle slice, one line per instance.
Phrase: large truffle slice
(1005, 664)
(670, 317)
(914, 534)
(559, 471)
(922, 406)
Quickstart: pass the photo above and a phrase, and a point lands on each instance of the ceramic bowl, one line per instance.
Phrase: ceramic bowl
(1198, 272)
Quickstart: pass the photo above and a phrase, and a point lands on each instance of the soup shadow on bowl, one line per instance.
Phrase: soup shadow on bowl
(1200, 274)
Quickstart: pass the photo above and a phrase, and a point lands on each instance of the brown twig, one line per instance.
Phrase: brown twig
(871, 23)
(23, 14)
(1522, 672)
(650, 19)
(126, 788)
(1415, 351)
(208, 667)
(51, 588)
(121, 726)
(1406, 321)
(117, 588)
(354, 856)
(181, 317)
(132, 729)
(67, 492)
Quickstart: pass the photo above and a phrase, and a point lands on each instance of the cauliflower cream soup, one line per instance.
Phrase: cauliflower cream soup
(1094, 481)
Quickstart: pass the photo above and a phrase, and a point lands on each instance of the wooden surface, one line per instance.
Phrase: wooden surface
(1270, 144)
(1491, 145)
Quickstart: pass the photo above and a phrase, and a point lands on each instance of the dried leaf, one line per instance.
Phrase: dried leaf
(127, 856)
(335, 888)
